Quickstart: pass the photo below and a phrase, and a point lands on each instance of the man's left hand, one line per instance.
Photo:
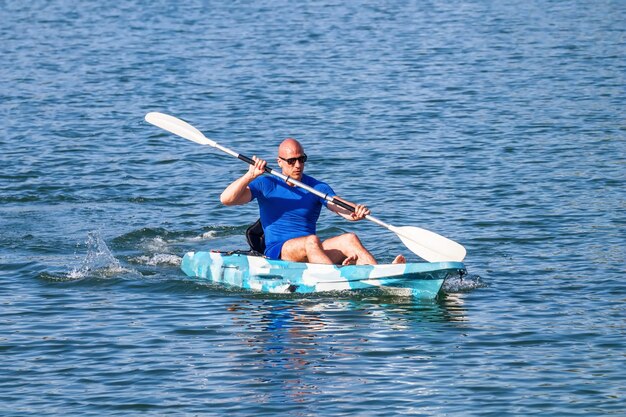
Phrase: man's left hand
(360, 211)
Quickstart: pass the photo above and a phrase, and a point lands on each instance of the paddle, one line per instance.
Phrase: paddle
(426, 244)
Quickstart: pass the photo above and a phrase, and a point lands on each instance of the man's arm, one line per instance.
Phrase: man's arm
(360, 211)
(238, 192)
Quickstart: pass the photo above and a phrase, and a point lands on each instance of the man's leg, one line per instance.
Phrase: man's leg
(347, 246)
(305, 249)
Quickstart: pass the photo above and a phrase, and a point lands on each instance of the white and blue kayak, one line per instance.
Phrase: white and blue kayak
(256, 273)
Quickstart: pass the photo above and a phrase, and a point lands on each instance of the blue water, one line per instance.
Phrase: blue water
(497, 124)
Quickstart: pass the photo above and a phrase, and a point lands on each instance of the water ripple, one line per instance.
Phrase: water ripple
(498, 125)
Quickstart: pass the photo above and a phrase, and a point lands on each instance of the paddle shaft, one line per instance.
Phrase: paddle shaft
(302, 185)
(295, 182)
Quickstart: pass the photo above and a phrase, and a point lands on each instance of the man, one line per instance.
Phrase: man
(289, 214)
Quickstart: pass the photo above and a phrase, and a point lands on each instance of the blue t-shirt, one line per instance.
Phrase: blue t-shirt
(287, 212)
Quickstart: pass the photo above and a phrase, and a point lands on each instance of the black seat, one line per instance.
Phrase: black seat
(256, 237)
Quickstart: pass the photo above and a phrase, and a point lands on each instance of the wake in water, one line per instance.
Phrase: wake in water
(158, 259)
(160, 246)
(98, 261)
(462, 283)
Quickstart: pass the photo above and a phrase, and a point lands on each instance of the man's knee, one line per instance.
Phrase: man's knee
(313, 241)
(298, 249)
(352, 239)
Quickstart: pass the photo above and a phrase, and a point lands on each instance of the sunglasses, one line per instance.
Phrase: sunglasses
(291, 161)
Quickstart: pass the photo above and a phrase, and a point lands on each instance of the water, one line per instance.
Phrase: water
(499, 125)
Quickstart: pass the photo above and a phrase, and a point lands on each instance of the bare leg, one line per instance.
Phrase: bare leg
(305, 249)
(347, 247)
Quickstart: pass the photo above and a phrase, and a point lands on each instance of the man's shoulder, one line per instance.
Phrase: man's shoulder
(317, 184)
(265, 179)
(309, 180)
(262, 184)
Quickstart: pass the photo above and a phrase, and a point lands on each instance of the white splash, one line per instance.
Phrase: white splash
(211, 234)
(157, 244)
(158, 259)
(462, 283)
(99, 260)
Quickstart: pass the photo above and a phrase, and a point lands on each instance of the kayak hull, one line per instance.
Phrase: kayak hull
(420, 280)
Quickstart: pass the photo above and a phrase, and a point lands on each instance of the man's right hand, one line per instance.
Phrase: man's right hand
(257, 169)
(238, 191)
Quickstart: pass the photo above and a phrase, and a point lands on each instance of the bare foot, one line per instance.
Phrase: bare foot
(399, 260)
(350, 260)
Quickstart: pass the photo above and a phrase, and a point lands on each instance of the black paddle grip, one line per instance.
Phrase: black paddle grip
(342, 204)
(251, 162)
(269, 171)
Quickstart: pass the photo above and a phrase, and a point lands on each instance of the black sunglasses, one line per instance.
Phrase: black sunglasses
(291, 161)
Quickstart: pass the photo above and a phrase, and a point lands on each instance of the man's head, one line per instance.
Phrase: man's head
(291, 158)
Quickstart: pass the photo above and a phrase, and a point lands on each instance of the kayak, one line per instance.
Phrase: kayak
(257, 273)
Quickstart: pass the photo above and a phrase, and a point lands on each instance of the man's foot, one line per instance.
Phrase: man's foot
(399, 260)
(350, 260)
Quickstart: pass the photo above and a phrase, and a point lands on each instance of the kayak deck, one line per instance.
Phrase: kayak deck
(420, 280)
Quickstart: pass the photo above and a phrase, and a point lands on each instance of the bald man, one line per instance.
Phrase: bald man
(289, 214)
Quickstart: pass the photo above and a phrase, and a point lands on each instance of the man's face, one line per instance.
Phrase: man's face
(292, 160)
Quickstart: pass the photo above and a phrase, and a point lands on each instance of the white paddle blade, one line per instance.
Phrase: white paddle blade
(429, 245)
(178, 127)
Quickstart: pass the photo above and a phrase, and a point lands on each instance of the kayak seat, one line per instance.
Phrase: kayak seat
(256, 237)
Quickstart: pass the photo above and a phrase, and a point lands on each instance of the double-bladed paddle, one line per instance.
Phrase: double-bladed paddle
(426, 244)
